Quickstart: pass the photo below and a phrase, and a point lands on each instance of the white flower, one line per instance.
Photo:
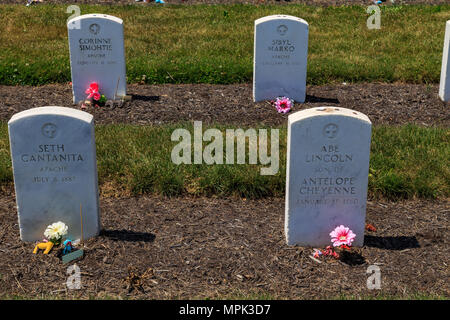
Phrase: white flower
(56, 230)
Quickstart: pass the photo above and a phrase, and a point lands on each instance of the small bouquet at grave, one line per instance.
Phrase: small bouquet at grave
(94, 97)
(342, 238)
(55, 232)
(53, 236)
(283, 104)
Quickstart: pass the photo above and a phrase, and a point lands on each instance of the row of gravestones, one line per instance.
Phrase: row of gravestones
(97, 54)
(96, 44)
(55, 172)
(53, 148)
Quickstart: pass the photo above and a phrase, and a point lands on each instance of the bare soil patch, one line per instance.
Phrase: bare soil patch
(391, 104)
(211, 247)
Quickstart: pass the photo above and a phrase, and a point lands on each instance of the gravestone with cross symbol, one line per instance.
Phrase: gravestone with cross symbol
(280, 57)
(97, 54)
(327, 174)
(55, 171)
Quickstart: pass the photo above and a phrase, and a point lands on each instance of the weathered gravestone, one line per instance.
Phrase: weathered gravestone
(444, 86)
(327, 174)
(55, 171)
(97, 54)
(280, 58)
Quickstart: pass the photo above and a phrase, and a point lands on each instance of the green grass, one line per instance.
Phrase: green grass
(214, 44)
(406, 162)
(410, 161)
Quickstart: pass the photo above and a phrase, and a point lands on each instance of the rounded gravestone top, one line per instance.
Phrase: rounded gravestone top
(96, 16)
(278, 17)
(53, 110)
(327, 111)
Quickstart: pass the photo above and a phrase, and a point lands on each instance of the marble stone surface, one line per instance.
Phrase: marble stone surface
(444, 85)
(327, 171)
(280, 58)
(97, 54)
(55, 171)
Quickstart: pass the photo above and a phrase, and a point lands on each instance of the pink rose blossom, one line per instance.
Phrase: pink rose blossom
(283, 104)
(96, 96)
(342, 236)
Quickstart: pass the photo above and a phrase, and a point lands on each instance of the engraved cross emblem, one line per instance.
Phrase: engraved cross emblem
(282, 29)
(330, 131)
(94, 28)
(49, 130)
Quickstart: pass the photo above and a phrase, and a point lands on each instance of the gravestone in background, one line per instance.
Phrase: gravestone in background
(280, 58)
(328, 153)
(97, 54)
(55, 171)
(444, 86)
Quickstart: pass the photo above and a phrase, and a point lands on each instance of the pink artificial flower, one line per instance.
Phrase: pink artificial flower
(317, 253)
(93, 88)
(342, 236)
(283, 104)
(330, 252)
(96, 96)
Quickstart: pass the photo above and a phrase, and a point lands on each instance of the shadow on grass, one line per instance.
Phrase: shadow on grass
(391, 243)
(126, 235)
(145, 98)
(314, 99)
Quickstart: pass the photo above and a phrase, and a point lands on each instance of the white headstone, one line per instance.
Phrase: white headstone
(280, 58)
(327, 174)
(55, 171)
(444, 86)
(97, 54)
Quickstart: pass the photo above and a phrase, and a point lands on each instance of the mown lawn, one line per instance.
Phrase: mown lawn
(406, 162)
(214, 44)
